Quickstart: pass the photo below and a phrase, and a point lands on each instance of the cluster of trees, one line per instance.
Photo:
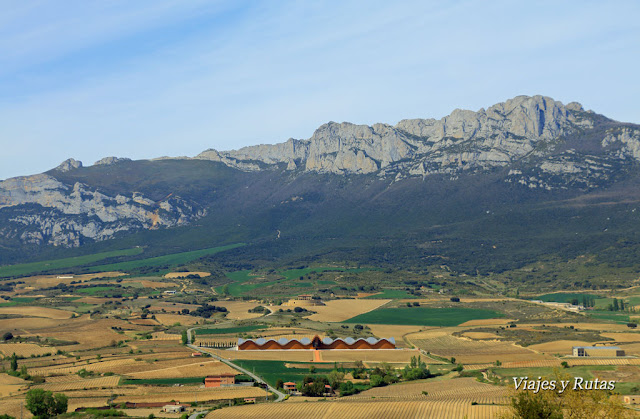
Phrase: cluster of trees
(207, 311)
(44, 404)
(617, 305)
(574, 404)
(416, 370)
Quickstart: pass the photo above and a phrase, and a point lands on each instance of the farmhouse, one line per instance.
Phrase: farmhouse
(220, 380)
(632, 399)
(289, 386)
(170, 292)
(304, 300)
(173, 408)
(316, 343)
(599, 351)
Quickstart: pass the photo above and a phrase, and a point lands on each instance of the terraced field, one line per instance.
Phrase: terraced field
(372, 409)
(200, 369)
(32, 311)
(189, 394)
(462, 389)
(471, 351)
(80, 384)
(25, 349)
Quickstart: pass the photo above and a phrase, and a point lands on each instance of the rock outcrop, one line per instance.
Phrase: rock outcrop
(417, 147)
(55, 213)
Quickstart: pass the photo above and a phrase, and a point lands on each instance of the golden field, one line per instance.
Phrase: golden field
(340, 310)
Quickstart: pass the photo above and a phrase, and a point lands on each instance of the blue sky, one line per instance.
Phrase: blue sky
(142, 79)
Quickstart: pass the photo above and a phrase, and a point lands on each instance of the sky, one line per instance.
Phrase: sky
(142, 79)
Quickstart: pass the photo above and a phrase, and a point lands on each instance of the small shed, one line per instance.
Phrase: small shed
(173, 408)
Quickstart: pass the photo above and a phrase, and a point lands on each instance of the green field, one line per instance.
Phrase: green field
(95, 290)
(271, 371)
(24, 269)
(229, 330)
(170, 260)
(16, 301)
(393, 294)
(620, 317)
(422, 316)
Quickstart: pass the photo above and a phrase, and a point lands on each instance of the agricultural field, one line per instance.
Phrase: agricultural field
(25, 269)
(361, 410)
(31, 311)
(341, 310)
(468, 351)
(25, 349)
(423, 316)
(239, 310)
(200, 369)
(127, 347)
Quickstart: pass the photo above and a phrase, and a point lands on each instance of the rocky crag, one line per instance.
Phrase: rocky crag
(539, 144)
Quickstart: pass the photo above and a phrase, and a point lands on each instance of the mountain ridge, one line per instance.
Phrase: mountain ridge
(364, 185)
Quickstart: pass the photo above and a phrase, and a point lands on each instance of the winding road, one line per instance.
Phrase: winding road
(279, 395)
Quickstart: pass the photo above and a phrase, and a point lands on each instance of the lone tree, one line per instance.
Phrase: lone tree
(14, 362)
(44, 404)
(7, 336)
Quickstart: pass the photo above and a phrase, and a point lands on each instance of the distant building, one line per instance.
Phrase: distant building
(632, 399)
(220, 380)
(304, 300)
(196, 354)
(249, 399)
(316, 343)
(170, 292)
(64, 277)
(173, 408)
(289, 386)
(598, 351)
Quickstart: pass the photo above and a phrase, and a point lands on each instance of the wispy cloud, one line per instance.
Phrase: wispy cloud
(145, 79)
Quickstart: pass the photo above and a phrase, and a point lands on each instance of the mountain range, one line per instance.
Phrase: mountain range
(481, 191)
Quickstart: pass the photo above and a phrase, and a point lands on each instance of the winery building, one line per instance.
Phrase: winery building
(598, 351)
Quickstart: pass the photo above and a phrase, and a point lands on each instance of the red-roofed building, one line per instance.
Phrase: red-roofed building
(226, 379)
(289, 386)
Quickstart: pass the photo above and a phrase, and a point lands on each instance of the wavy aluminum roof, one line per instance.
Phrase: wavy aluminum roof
(307, 341)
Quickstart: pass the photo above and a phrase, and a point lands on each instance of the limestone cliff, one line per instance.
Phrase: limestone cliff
(52, 212)
(463, 140)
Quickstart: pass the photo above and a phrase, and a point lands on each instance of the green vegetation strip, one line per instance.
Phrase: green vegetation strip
(173, 259)
(229, 330)
(392, 294)
(16, 301)
(24, 269)
(271, 371)
(422, 316)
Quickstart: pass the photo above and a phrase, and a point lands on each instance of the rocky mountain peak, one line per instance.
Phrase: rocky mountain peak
(462, 140)
(69, 164)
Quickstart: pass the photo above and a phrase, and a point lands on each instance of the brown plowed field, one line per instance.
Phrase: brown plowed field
(32, 311)
(469, 351)
(361, 410)
(25, 349)
(199, 369)
(340, 310)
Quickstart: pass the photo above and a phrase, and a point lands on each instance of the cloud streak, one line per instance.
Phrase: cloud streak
(145, 79)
